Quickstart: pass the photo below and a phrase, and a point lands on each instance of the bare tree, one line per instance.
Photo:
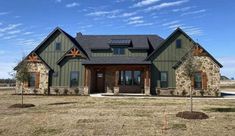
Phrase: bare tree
(22, 76)
(190, 68)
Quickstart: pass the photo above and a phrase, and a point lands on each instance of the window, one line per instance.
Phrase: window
(55, 74)
(32, 79)
(164, 79)
(74, 75)
(121, 77)
(178, 43)
(57, 46)
(118, 51)
(129, 77)
(137, 75)
(198, 80)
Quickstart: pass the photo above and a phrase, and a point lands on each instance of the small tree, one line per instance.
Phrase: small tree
(22, 76)
(190, 68)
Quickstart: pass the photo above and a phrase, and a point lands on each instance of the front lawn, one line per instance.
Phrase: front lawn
(81, 115)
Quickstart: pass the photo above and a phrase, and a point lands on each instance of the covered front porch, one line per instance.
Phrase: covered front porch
(117, 79)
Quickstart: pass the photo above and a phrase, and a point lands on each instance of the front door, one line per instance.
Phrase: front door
(100, 82)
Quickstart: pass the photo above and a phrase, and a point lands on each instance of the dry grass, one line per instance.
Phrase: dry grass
(110, 116)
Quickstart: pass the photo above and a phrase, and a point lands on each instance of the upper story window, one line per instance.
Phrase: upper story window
(118, 51)
(57, 46)
(178, 43)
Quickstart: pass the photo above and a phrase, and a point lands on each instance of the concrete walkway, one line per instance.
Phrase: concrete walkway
(142, 96)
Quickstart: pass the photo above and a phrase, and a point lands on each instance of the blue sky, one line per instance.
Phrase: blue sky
(25, 23)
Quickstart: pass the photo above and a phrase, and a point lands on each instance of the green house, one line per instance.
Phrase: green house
(116, 64)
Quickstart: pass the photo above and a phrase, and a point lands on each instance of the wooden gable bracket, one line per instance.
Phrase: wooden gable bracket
(198, 51)
(33, 58)
(74, 52)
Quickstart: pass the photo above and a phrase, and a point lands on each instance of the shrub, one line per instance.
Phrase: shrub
(184, 93)
(76, 91)
(66, 91)
(216, 93)
(35, 91)
(46, 91)
(158, 91)
(57, 91)
(202, 92)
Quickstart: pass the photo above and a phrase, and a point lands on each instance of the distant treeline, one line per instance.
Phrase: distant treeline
(7, 81)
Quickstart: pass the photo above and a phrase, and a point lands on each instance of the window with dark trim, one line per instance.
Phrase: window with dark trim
(164, 79)
(74, 78)
(198, 80)
(55, 74)
(32, 79)
(57, 46)
(178, 43)
(129, 78)
(118, 51)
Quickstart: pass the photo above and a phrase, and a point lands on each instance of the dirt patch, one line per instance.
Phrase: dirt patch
(62, 103)
(192, 115)
(221, 109)
(22, 106)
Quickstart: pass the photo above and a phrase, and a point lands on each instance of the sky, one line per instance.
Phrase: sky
(25, 23)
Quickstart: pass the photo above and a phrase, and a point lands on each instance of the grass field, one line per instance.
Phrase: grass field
(77, 115)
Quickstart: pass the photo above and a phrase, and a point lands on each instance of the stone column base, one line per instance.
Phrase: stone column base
(116, 90)
(147, 90)
(86, 90)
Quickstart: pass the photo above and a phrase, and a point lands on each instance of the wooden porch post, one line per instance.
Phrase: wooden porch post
(86, 83)
(147, 81)
(116, 87)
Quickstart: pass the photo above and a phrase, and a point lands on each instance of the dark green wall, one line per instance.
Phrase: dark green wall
(48, 53)
(165, 58)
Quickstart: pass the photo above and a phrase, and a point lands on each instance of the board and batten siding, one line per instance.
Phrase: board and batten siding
(166, 57)
(51, 56)
(69, 66)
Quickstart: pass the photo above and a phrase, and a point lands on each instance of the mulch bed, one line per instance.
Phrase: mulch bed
(62, 103)
(192, 115)
(22, 106)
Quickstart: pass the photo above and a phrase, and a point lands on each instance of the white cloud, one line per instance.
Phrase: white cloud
(14, 32)
(10, 27)
(9, 37)
(181, 9)
(109, 14)
(28, 42)
(192, 30)
(135, 22)
(136, 18)
(27, 33)
(3, 13)
(128, 14)
(170, 23)
(144, 24)
(5, 69)
(228, 66)
(145, 3)
(2, 52)
(194, 12)
(70, 5)
(166, 5)
(58, 1)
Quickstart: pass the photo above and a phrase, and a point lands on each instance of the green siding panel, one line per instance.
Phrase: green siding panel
(48, 53)
(166, 58)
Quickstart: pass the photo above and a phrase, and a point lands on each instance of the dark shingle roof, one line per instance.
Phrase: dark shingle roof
(99, 42)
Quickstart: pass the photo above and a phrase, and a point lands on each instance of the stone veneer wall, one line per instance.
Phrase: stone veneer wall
(207, 65)
(43, 80)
